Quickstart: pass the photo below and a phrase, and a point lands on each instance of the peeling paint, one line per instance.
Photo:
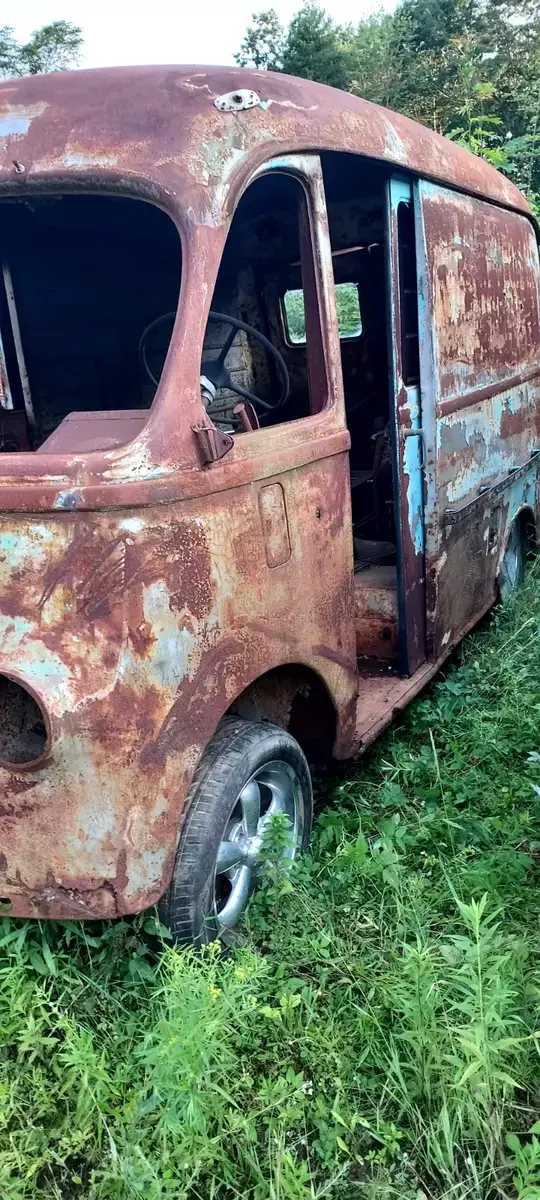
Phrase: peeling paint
(140, 596)
(483, 319)
(16, 119)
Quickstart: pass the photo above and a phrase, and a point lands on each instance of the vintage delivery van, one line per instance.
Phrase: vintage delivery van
(269, 422)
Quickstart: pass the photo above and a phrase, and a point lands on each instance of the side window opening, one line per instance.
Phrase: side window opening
(348, 313)
(249, 376)
(82, 277)
(410, 361)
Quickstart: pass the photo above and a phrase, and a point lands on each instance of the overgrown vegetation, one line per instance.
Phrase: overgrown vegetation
(467, 68)
(375, 1036)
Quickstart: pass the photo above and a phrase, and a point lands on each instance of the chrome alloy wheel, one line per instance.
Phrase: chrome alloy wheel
(274, 788)
(513, 563)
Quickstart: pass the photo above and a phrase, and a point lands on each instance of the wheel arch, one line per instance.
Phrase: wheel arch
(527, 521)
(525, 518)
(295, 697)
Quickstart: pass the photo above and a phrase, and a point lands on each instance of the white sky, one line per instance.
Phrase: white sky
(162, 31)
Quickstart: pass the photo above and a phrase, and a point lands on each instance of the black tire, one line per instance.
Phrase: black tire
(239, 751)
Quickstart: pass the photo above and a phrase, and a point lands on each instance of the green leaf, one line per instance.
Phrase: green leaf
(472, 1069)
(38, 962)
(48, 958)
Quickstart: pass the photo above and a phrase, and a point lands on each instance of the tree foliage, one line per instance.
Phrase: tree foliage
(54, 47)
(262, 46)
(313, 47)
(467, 68)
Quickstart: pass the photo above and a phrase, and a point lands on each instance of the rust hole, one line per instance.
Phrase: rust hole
(5, 905)
(23, 733)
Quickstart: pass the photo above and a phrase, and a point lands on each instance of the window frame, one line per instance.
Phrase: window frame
(329, 418)
(343, 337)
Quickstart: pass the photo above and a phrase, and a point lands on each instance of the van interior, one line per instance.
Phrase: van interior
(88, 293)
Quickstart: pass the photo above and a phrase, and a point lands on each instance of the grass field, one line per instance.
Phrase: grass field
(378, 1034)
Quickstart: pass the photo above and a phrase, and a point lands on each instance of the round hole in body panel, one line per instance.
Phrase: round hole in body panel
(23, 729)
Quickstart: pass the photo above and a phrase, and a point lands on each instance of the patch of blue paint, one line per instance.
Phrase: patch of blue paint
(12, 126)
(412, 467)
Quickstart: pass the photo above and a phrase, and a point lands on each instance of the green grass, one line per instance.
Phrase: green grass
(379, 1039)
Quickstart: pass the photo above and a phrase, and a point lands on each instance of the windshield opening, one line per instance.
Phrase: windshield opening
(82, 277)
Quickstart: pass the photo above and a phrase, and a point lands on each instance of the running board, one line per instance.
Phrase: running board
(382, 696)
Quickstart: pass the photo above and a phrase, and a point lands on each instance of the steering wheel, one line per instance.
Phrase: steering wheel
(215, 369)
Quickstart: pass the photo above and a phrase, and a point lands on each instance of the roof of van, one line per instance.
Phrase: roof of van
(161, 122)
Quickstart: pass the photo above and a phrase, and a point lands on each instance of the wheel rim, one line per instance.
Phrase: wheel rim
(274, 788)
(512, 564)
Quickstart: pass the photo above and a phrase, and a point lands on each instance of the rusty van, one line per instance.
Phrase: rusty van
(270, 433)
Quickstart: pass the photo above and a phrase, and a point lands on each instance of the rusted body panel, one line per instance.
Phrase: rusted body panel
(377, 629)
(483, 311)
(140, 630)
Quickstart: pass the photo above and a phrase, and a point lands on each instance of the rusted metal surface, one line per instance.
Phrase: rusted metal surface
(456, 403)
(376, 612)
(143, 594)
(483, 312)
(454, 516)
(84, 431)
(483, 264)
(6, 401)
(273, 510)
(137, 631)
(382, 696)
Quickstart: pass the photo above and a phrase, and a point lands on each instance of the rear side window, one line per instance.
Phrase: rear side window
(408, 298)
(348, 312)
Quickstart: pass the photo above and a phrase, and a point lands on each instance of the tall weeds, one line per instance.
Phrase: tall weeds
(379, 1038)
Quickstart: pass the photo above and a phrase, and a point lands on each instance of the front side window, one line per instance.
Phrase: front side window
(249, 376)
(348, 313)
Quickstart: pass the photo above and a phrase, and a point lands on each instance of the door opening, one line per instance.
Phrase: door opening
(407, 431)
(356, 203)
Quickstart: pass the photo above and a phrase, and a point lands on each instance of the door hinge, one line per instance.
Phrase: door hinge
(213, 443)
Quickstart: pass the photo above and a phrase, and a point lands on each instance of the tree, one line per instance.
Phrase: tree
(262, 46)
(372, 60)
(430, 25)
(314, 47)
(467, 68)
(55, 47)
(9, 54)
